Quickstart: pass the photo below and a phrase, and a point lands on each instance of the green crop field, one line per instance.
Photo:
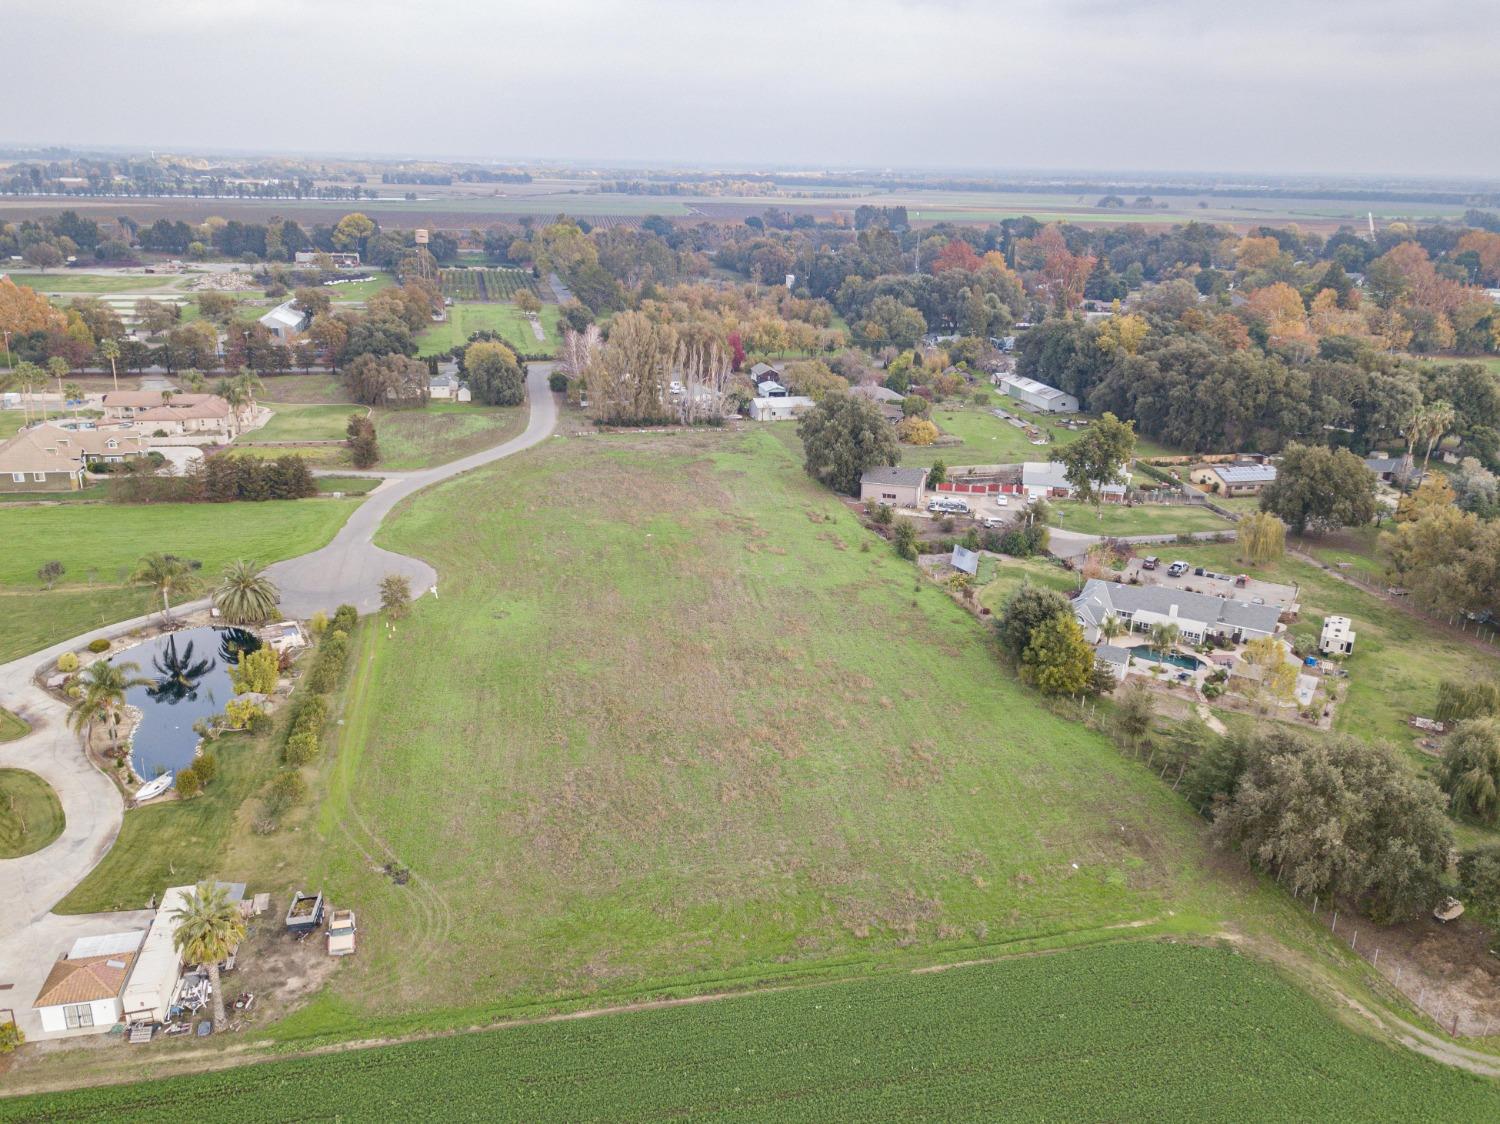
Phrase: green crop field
(1398, 659)
(67, 281)
(100, 543)
(487, 284)
(299, 421)
(465, 319)
(30, 815)
(1144, 519)
(1120, 1032)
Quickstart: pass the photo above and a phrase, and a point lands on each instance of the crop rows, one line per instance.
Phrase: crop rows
(485, 284)
(1122, 1032)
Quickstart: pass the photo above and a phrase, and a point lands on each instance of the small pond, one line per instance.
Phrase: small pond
(188, 673)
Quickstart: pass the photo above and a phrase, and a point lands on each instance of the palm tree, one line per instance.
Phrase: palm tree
(73, 392)
(248, 383)
(58, 367)
(102, 688)
(1163, 638)
(165, 573)
(28, 376)
(110, 349)
(245, 595)
(1414, 426)
(1439, 418)
(1110, 628)
(233, 392)
(194, 381)
(209, 926)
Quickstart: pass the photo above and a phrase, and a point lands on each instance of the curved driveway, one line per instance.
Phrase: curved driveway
(349, 569)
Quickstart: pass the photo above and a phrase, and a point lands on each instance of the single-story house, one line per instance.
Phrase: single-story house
(31, 463)
(876, 393)
(1196, 615)
(212, 419)
(1390, 469)
(1038, 395)
(286, 321)
(893, 486)
(1237, 479)
(447, 388)
(766, 372)
(780, 408)
(1113, 659)
(1337, 637)
(339, 259)
(1049, 480)
(81, 994)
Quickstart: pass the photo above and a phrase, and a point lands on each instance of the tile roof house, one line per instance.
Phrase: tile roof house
(1196, 615)
(81, 994)
(195, 415)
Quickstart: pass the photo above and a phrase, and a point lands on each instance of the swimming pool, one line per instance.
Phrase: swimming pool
(187, 675)
(1176, 659)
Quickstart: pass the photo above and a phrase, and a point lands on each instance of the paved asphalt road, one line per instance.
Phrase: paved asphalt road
(349, 569)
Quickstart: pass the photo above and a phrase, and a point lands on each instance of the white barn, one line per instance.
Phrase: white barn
(1038, 395)
(779, 409)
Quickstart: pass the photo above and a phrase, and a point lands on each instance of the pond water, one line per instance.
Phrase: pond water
(188, 673)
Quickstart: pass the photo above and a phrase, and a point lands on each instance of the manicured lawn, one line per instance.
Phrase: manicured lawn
(30, 814)
(177, 842)
(1143, 519)
(1398, 658)
(302, 388)
(1120, 1032)
(507, 319)
(685, 731)
(99, 544)
(1007, 576)
(89, 493)
(352, 291)
(443, 432)
(317, 456)
(297, 421)
(11, 726)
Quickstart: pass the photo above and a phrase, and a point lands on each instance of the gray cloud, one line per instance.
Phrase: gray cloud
(1278, 85)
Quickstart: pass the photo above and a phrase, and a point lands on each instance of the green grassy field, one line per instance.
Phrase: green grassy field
(11, 726)
(1144, 519)
(736, 746)
(298, 421)
(465, 319)
(1120, 1032)
(68, 281)
(444, 431)
(100, 543)
(319, 388)
(30, 815)
(1004, 578)
(991, 440)
(357, 291)
(1398, 658)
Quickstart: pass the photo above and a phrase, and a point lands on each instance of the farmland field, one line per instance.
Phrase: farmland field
(465, 319)
(67, 281)
(1122, 1032)
(100, 543)
(486, 284)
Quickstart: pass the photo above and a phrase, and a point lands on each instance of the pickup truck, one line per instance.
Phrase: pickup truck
(341, 929)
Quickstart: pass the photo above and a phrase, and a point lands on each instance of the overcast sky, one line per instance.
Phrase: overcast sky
(1339, 86)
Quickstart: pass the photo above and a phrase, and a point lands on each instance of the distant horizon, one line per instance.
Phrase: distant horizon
(658, 165)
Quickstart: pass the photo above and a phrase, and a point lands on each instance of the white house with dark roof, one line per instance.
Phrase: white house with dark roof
(1038, 395)
(1196, 615)
(1049, 480)
(894, 486)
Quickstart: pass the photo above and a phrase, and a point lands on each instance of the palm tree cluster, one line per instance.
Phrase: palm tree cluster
(102, 688)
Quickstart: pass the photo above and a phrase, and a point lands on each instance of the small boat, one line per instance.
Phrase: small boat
(154, 788)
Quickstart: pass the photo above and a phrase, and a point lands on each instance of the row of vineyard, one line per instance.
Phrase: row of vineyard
(486, 284)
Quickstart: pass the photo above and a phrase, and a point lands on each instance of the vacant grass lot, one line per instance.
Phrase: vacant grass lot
(465, 319)
(1398, 658)
(358, 291)
(1120, 1032)
(1144, 519)
(302, 388)
(443, 432)
(299, 421)
(30, 815)
(991, 440)
(68, 281)
(672, 726)
(99, 544)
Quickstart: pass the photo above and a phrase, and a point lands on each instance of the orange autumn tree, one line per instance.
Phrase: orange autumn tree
(24, 310)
